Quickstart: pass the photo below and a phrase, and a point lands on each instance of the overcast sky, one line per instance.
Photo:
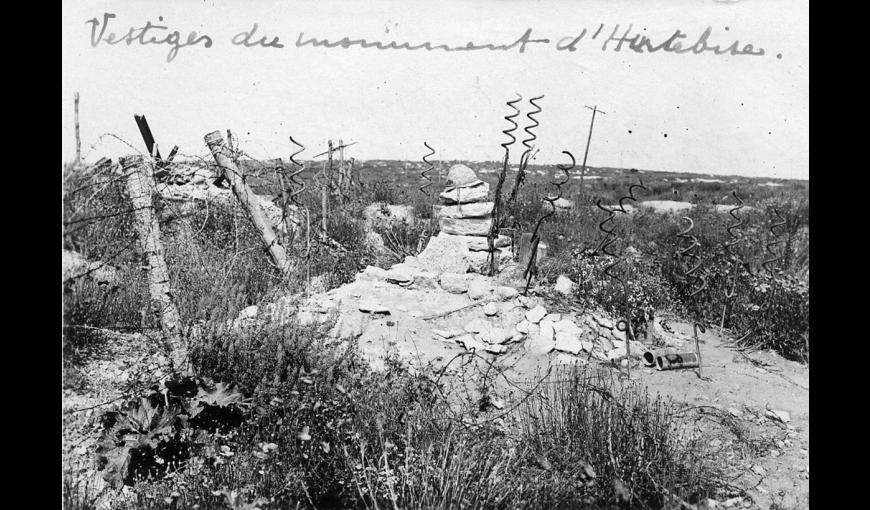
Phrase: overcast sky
(744, 115)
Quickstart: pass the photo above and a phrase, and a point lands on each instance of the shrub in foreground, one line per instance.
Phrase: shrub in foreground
(322, 429)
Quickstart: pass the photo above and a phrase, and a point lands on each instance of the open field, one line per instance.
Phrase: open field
(370, 372)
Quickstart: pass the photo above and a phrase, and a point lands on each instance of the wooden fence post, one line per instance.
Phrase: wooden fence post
(140, 188)
(249, 201)
(78, 137)
(324, 193)
(341, 175)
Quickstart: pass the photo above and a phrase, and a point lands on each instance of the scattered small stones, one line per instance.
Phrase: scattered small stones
(470, 343)
(454, 283)
(546, 333)
(564, 285)
(567, 336)
(536, 314)
(523, 327)
(505, 293)
(495, 348)
(540, 342)
(375, 272)
(780, 416)
(563, 203)
(479, 289)
(372, 307)
(526, 302)
(249, 312)
(476, 326)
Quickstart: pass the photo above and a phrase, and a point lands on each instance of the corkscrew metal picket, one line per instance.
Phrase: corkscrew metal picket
(299, 185)
(729, 247)
(496, 208)
(429, 168)
(630, 195)
(527, 143)
(536, 239)
(299, 188)
(609, 240)
(777, 240)
(689, 252)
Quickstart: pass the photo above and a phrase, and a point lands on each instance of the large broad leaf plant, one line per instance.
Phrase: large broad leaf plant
(154, 434)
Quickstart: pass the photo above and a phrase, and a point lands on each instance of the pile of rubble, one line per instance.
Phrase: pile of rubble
(440, 300)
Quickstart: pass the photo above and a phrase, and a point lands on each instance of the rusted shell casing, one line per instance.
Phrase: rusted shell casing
(650, 355)
(676, 361)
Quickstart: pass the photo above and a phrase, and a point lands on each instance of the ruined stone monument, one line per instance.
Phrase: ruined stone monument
(465, 218)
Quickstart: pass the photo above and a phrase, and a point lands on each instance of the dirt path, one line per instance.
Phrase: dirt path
(751, 393)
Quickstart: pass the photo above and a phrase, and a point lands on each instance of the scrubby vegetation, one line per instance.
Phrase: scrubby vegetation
(317, 427)
(279, 417)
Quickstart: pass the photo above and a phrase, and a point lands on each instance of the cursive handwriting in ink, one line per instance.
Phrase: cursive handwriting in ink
(145, 35)
(641, 43)
(572, 45)
(245, 39)
(346, 43)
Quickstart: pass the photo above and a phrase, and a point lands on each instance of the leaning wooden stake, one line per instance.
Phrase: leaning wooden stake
(140, 187)
(247, 199)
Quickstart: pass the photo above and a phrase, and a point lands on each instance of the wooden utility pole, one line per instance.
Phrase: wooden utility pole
(249, 201)
(140, 188)
(588, 139)
(78, 137)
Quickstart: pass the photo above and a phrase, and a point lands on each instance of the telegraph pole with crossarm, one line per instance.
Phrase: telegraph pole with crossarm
(589, 139)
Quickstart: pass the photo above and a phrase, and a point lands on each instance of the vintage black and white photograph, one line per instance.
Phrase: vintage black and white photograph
(435, 254)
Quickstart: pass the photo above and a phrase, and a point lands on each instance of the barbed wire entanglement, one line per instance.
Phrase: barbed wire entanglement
(496, 208)
(215, 259)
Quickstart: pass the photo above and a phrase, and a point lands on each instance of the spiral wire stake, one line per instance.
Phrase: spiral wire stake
(609, 240)
(527, 155)
(496, 208)
(536, 238)
(296, 188)
(729, 247)
(777, 240)
(429, 168)
(689, 252)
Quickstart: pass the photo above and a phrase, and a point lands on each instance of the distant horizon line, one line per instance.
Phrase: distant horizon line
(497, 162)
